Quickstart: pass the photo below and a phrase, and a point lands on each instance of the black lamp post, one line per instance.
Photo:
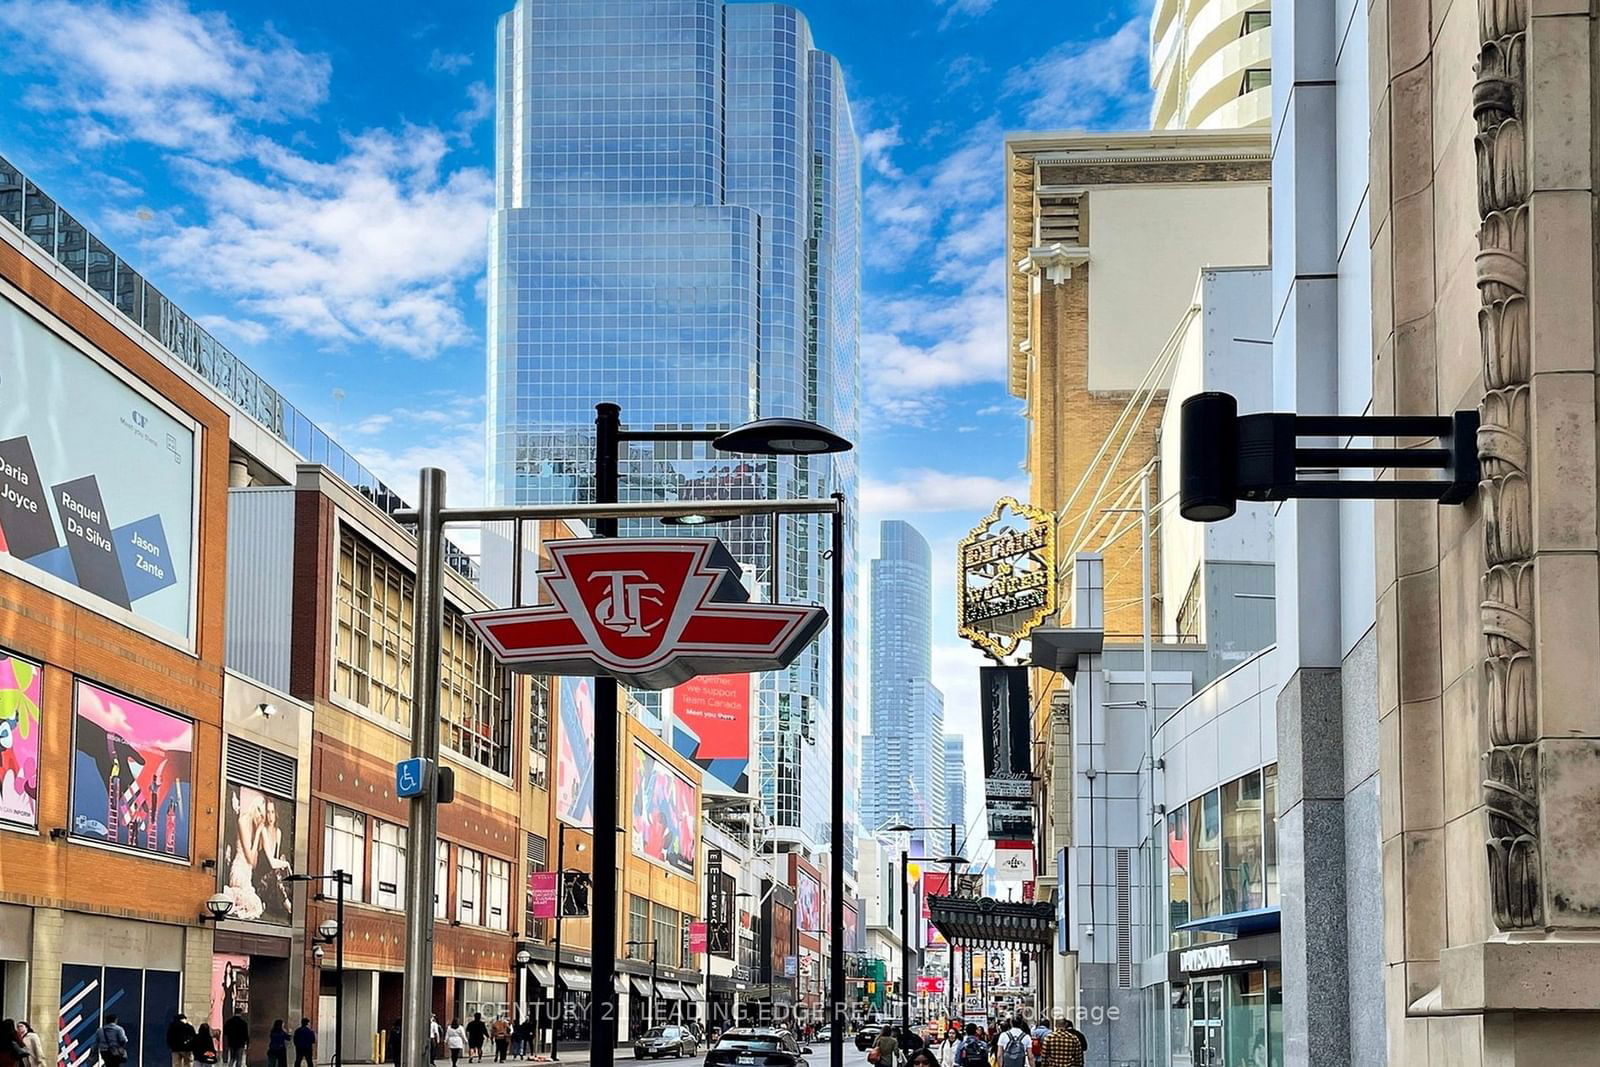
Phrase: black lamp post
(953, 860)
(331, 932)
(765, 437)
(650, 1005)
(561, 910)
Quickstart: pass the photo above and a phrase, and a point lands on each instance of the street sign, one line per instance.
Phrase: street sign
(1005, 579)
(646, 612)
(411, 777)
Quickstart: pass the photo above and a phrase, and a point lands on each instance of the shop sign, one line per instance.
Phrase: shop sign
(1005, 584)
(697, 936)
(646, 612)
(1215, 957)
(1013, 862)
(1007, 738)
(542, 887)
(930, 984)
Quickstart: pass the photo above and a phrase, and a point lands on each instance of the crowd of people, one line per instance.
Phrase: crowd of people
(1009, 1044)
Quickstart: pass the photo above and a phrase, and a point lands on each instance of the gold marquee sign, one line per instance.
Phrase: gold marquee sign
(1005, 580)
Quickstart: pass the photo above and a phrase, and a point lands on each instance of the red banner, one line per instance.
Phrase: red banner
(930, 984)
(697, 936)
(542, 890)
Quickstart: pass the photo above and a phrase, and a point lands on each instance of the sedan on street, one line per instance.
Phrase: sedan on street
(665, 1041)
(757, 1047)
(867, 1036)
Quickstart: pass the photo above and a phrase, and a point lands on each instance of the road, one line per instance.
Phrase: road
(818, 1058)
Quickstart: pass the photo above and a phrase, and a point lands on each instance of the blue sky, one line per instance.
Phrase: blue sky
(312, 179)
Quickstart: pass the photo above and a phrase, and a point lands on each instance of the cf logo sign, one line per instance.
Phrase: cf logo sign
(621, 608)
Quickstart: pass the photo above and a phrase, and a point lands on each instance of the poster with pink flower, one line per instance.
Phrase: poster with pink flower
(21, 693)
(132, 773)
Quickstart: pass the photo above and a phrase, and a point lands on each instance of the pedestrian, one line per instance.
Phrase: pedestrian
(885, 1050)
(1014, 1048)
(435, 1036)
(205, 1045)
(1065, 1045)
(972, 1050)
(277, 1045)
(305, 1044)
(500, 1033)
(522, 1039)
(12, 1051)
(236, 1039)
(180, 1041)
(32, 1043)
(112, 1044)
(477, 1030)
(947, 1048)
(455, 1040)
(396, 1041)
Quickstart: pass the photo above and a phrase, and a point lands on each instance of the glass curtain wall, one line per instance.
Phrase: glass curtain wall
(1222, 855)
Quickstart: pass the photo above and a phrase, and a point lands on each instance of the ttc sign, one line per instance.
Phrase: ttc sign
(649, 613)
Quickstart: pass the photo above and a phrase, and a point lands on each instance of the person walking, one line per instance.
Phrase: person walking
(947, 1048)
(112, 1044)
(477, 1030)
(455, 1040)
(435, 1036)
(500, 1034)
(1014, 1048)
(32, 1044)
(972, 1050)
(205, 1045)
(277, 1045)
(12, 1052)
(1065, 1045)
(522, 1036)
(885, 1050)
(305, 1044)
(396, 1040)
(236, 1039)
(180, 1041)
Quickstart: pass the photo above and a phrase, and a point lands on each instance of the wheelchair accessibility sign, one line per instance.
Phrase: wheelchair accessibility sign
(411, 777)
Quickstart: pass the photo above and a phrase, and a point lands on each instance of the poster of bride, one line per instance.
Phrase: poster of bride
(257, 850)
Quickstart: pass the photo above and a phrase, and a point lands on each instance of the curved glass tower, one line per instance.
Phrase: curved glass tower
(677, 231)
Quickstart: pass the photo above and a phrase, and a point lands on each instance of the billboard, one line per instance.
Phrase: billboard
(808, 902)
(934, 884)
(710, 718)
(132, 773)
(852, 925)
(1007, 734)
(230, 989)
(97, 481)
(575, 753)
(542, 889)
(257, 854)
(1013, 861)
(665, 822)
(21, 698)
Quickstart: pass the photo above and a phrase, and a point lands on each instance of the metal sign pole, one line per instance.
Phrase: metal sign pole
(422, 828)
(603, 1025)
(836, 860)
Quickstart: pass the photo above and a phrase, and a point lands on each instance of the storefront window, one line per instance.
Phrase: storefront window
(638, 928)
(388, 864)
(1178, 875)
(1205, 856)
(1178, 1022)
(1269, 837)
(441, 879)
(344, 846)
(1246, 1016)
(1275, 1015)
(469, 885)
(1242, 860)
(496, 894)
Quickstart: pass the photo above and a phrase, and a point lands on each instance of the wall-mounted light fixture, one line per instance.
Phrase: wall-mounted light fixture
(218, 907)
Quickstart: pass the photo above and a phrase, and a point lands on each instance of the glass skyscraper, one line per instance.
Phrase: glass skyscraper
(677, 230)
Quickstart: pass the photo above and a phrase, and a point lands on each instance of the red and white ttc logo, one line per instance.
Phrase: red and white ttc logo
(645, 612)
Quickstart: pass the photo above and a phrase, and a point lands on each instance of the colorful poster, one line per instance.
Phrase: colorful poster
(133, 776)
(542, 888)
(711, 726)
(808, 903)
(230, 988)
(666, 814)
(257, 854)
(575, 753)
(697, 936)
(97, 480)
(21, 695)
(852, 925)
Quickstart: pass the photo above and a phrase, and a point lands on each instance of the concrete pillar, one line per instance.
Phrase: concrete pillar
(44, 972)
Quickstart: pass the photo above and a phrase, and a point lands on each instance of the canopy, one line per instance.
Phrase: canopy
(984, 922)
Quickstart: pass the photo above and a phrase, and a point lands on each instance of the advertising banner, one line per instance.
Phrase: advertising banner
(665, 814)
(710, 718)
(21, 696)
(1063, 892)
(97, 480)
(1007, 734)
(697, 936)
(934, 884)
(543, 887)
(575, 753)
(1013, 862)
(230, 989)
(257, 854)
(927, 983)
(808, 902)
(133, 775)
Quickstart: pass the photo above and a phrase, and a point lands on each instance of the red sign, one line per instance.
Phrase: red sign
(1027, 891)
(717, 708)
(697, 936)
(542, 889)
(930, 984)
(647, 613)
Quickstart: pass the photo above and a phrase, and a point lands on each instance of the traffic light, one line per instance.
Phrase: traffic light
(1225, 457)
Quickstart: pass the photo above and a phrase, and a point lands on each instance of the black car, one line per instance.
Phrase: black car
(867, 1036)
(757, 1047)
(665, 1041)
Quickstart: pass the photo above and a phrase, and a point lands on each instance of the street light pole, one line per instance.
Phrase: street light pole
(339, 878)
(836, 860)
(950, 946)
(603, 901)
(905, 939)
(561, 907)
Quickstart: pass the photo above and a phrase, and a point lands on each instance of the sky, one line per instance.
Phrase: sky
(312, 182)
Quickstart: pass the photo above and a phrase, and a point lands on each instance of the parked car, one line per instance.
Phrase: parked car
(665, 1041)
(757, 1047)
(867, 1035)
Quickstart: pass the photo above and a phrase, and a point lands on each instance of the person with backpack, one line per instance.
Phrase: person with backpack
(1014, 1048)
(112, 1044)
(180, 1041)
(972, 1050)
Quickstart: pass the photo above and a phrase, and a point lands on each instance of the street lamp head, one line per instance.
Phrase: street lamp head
(951, 861)
(900, 828)
(220, 905)
(329, 929)
(696, 520)
(524, 957)
(781, 437)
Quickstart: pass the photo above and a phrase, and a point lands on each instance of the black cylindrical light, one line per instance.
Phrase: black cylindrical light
(1208, 443)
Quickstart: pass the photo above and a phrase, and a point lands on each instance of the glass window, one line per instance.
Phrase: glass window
(1274, 1017)
(1256, 20)
(538, 731)
(1269, 831)
(1246, 1019)
(667, 936)
(1205, 856)
(638, 928)
(497, 893)
(388, 865)
(1242, 859)
(1178, 875)
(469, 887)
(344, 845)
(1257, 79)
(441, 879)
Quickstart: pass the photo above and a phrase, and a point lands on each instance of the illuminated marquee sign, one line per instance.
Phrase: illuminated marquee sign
(1005, 585)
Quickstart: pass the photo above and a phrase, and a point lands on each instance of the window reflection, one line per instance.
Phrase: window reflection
(1242, 859)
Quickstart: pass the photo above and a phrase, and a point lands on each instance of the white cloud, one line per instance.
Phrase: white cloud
(924, 490)
(480, 105)
(875, 149)
(1101, 83)
(994, 409)
(160, 73)
(957, 9)
(460, 454)
(227, 329)
(449, 62)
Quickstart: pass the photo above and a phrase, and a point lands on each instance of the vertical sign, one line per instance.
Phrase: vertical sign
(543, 889)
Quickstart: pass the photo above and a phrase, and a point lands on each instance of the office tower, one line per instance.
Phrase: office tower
(677, 231)
(903, 772)
(955, 781)
(1210, 64)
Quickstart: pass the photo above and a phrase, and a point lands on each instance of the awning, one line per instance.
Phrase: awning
(1239, 923)
(987, 922)
(573, 978)
(670, 991)
(641, 986)
(618, 986)
(543, 973)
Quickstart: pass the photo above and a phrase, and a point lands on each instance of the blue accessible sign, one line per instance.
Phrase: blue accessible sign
(411, 777)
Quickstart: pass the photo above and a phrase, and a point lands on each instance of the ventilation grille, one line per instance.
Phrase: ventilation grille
(537, 850)
(1124, 920)
(1059, 219)
(251, 764)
